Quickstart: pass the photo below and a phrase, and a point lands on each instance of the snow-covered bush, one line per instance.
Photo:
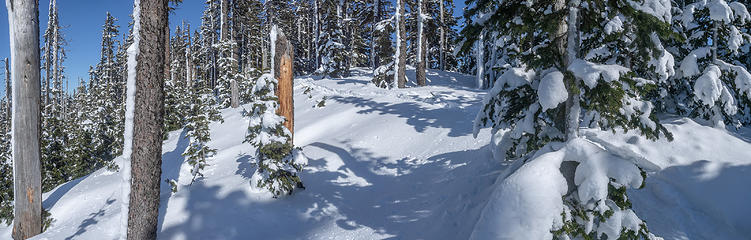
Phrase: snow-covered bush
(278, 161)
(545, 206)
(712, 82)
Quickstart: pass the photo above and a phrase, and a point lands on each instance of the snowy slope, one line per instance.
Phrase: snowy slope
(400, 164)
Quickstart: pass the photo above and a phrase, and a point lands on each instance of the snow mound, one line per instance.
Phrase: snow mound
(552, 91)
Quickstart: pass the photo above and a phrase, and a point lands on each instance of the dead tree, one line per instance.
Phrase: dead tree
(24, 37)
(284, 74)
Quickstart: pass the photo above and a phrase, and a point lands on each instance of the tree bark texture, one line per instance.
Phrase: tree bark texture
(402, 37)
(146, 159)
(421, 65)
(284, 73)
(27, 177)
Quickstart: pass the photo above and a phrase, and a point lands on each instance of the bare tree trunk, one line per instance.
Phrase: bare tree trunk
(27, 177)
(8, 91)
(420, 71)
(441, 51)
(317, 34)
(373, 35)
(401, 45)
(146, 156)
(284, 73)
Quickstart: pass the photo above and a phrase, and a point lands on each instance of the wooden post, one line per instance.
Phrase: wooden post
(27, 177)
(284, 73)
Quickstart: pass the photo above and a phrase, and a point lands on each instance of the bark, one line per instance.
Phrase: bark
(401, 77)
(420, 71)
(481, 61)
(284, 73)
(441, 53)
(224, 34)
(317, 34)
(27, 177)
(373, 35)
(8, 91)
(146, 158)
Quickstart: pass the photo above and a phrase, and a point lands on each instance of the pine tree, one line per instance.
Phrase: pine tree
(176, 87)
(713, 81)
(331, 43)
(6, 166)
(144, 129)
(278, 161)
(572, 67)
(202, 111)
(381, 49)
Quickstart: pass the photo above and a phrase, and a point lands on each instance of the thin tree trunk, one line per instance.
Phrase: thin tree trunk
(373, 35)
(401, 36)
(146, 156)
(27, 177)
(8, 91)
(420, 71)
(317, 34)
(441, 53)
(480, 55)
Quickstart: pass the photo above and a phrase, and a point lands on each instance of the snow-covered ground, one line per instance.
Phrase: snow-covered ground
(401, 164)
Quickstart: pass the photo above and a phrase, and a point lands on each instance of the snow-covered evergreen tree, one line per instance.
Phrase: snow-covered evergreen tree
(382, 52)
(713, 81)
(6, 165)
(201, 112)
(331, 43)
(278, 161)
(575, 64)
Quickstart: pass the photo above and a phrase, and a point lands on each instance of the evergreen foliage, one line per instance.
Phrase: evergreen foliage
(278, 161)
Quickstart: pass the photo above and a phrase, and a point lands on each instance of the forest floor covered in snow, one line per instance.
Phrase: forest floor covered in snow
(400, 164)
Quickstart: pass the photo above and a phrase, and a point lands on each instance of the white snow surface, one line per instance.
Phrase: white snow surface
(402, 164)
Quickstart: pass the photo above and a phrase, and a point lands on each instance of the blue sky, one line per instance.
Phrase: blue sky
(82, 21)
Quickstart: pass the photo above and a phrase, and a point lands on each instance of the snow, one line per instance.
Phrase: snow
(689, 66)
(658, 8)
(615, 25)
(552, 91)
(740, 12)
(272, 36)
(708, 87)
(720, 11)
(426, 177)
(129, 112)
(590, 72)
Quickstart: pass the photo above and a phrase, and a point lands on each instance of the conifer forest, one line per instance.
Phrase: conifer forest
(375, 119)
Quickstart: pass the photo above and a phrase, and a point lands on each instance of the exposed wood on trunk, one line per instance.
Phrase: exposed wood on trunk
(27, 178)
(146, 158)
(284, 73)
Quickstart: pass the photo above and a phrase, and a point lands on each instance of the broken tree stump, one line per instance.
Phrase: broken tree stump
(284, 73)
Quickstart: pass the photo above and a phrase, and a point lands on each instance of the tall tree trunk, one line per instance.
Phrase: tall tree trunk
(8, 91)
(441, 49)
(27, 177)
(420, 71)
(373, 35)
(147, 113)
(48, 55)
(401, 47)
(316, 34)
(284, 73)
(480, 55)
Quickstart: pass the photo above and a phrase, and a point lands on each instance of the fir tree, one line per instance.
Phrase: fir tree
(713, 81)
(201, 112)
(331, 43)
(572, 67)
(278, 161)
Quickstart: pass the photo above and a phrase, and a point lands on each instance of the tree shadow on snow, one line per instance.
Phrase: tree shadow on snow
(172, 161)
(405, 198)
(92, 220)
(421, 117)
(703, 200)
